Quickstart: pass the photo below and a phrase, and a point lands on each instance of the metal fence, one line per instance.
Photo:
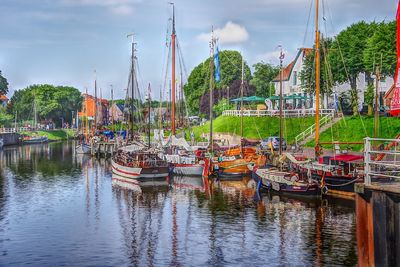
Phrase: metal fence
(287, 113)
(381, 159)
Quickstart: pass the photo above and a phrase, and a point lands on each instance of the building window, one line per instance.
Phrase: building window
(294, 77)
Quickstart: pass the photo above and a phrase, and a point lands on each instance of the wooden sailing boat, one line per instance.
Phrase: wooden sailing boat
(337, 174)
(136, 163)
(234, 163)
(84, 147)
(178, 153)
(283, 181)
(34, 139)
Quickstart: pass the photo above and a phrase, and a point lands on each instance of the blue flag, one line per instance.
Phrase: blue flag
(217, 73)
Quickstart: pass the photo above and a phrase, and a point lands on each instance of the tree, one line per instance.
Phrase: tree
(381, 48)
(222, 105)
(307, 74)
(347, 57)
(263, 75)
(199, 79)
(51, 102)
(3, 85)
(234, 92)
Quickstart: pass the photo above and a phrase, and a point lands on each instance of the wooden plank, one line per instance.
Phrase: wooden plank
(362, 231)
(380, 228)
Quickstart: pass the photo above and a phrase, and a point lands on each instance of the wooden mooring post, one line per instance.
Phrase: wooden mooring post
(378, 205)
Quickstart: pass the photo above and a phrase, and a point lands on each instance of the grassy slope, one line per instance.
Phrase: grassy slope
(256, 127)
(55, 135)
(355, 129)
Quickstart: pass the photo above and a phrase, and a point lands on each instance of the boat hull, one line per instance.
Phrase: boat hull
(141, 174)
(36, 140)
(188, 169)
(278, 184)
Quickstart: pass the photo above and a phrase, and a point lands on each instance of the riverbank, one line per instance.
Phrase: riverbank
(349, 129)
(53, 135)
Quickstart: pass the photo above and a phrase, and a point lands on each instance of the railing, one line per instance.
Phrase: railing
(377, 168)
(13, 130)
(275, 113)
(310, 130)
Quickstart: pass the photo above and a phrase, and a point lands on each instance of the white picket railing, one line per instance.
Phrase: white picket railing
(375, 166)
(287, 113)
(311, 130)
(13, 130)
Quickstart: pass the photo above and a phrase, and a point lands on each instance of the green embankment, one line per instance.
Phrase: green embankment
(53, 135)
(349, 129)
(355, 129)
(256, 127)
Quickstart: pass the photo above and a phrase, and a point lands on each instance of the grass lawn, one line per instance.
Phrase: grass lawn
(355, 129)
(256, 127)
(54, 135)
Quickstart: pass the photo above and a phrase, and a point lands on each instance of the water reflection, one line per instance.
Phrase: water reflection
(59, 208)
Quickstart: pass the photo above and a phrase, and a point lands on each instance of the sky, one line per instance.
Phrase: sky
(62, 42)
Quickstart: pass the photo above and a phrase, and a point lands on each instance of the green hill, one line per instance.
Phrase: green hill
(350, 129)
(355, 129)
(256, 127)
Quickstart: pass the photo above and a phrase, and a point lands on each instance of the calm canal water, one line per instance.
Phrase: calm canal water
(62, 209)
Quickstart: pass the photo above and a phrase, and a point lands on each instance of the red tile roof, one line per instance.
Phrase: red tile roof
(3, 98)
(288, 69)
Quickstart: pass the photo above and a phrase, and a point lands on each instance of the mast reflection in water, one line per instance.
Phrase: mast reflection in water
(58, 208)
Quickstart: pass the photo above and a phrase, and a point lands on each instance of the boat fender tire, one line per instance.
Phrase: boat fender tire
(324, 190)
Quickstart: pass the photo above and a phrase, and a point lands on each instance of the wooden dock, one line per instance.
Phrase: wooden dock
(378, 206)
(104, 149)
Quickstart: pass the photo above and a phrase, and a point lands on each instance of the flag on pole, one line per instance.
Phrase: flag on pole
(217, 74)
(395, 102)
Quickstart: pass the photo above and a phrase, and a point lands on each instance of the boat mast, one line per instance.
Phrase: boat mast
(241, 108)
(281, 57)
(149, 103)
(95, 101)
(376, 117)
(317, 81)
(35, 113)
(112, 103)
(173, 39)
(213, 40)
(132, 82)
(86, 118)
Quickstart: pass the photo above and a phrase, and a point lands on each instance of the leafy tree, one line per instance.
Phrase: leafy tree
(234, 92)
(382, 46)
(307, 74)
(199, 79)
(222, 105)
(3, 85)
(263, 75)
(52, 102)
(347, 57)
(5, 119)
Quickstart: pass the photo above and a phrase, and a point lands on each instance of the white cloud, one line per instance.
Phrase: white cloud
(231, 33)
(119, 7)
(122, 10)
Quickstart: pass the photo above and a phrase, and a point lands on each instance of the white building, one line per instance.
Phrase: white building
(291, 83)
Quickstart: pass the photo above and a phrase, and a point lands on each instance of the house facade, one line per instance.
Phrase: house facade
(291, 83)
(116, 112)
(89, 102)
(3, 100)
